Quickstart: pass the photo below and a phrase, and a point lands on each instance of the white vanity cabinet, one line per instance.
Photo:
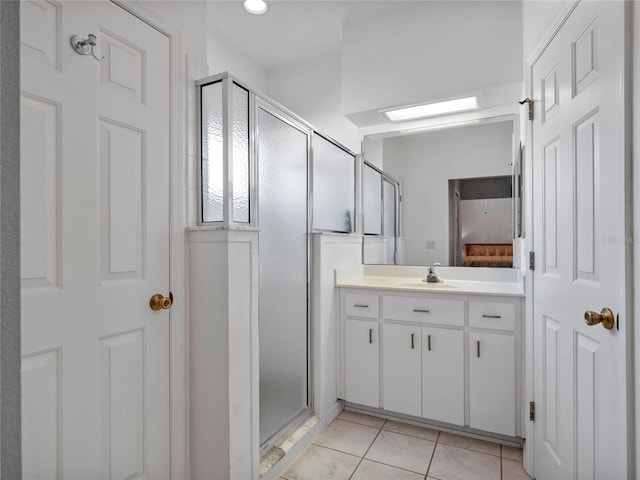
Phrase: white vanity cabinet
(362, 365)
(402, 365)
(443, 374)
(362, 349)
(451, 359)
(492, 389)
(492, 380)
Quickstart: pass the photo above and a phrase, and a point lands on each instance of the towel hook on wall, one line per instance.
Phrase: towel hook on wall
(85, 46)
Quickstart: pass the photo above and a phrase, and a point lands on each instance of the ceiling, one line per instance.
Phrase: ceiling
(292, 31)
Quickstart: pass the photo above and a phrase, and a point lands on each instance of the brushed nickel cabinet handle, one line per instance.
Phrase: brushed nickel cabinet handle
(358, 305)
(491, 316)
(371, 335)
(420, 310)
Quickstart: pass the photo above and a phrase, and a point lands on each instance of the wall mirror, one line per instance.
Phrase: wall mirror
(454, 195)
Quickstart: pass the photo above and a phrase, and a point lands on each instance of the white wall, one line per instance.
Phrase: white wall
(313, 91)
(537, 16)
(431, 51)
(424, 163)
(330, 251)
(190, 16)
(486, 221)
(373, 152)
(224, 56)
(224, 369)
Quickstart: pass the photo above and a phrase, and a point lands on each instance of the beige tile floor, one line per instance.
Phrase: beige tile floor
(362, 447)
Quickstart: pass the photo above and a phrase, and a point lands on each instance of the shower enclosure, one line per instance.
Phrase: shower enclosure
(254, 175)
(283, 155)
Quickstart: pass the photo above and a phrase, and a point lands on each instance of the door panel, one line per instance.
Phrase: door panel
(362, 350)
(124, 408)
(443, 375)
(122, 187)
(42, 414)
(40, 195)
(95, 244)
(402, 368)
(579, 203)
(492, 388)
(283, 244)
(40, 32)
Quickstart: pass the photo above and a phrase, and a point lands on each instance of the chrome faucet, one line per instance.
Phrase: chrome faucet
(432, 276)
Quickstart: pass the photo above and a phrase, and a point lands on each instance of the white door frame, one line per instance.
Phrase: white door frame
(552, 30)
(178, 398)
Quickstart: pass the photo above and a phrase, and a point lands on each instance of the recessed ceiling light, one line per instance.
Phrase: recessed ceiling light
(432, 109)
(255, 7)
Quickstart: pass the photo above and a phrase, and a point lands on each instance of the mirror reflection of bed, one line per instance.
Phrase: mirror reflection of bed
(481, 222)
(488, 255)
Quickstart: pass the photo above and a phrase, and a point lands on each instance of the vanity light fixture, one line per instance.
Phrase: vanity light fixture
(432, 109)
(255, 7)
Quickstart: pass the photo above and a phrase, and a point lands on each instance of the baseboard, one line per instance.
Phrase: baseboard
(333, 412)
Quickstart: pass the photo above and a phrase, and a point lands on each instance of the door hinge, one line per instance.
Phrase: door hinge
(532, 411)
(532, 260)
(529, 103)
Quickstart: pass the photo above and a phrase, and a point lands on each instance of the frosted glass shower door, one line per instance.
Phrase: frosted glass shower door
(283, 246)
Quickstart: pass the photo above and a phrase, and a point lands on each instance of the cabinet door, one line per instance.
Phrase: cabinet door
(492, 388)
(362, 355)
(443, 375)
(401, 375)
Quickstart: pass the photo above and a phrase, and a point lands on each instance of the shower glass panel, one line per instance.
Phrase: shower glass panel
(240, 129)
(212, 122)
(389, 222)
(333, 186)
(372, 199)
(283, 245)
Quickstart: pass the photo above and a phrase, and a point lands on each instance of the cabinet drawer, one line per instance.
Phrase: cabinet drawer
(498, 316)
(426, 310)
(361, 305)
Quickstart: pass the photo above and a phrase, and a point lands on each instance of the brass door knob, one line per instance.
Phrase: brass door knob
(160, 302)
(605, 317)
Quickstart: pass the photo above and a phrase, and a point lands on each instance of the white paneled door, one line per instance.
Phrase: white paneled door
(580, 203)
(95, 244)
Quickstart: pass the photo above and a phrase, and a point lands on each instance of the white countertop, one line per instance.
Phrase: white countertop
(492, 282)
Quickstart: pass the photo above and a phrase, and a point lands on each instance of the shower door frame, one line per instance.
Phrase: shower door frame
(257, 102)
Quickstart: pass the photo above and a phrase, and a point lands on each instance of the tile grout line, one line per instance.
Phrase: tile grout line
(358, 423)
(367, 451)
(329, 448)
(414, 436)
(437, 441)
(392, 466)
(432, 455)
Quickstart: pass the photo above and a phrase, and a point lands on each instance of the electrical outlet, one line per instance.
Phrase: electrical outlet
(431, 244)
